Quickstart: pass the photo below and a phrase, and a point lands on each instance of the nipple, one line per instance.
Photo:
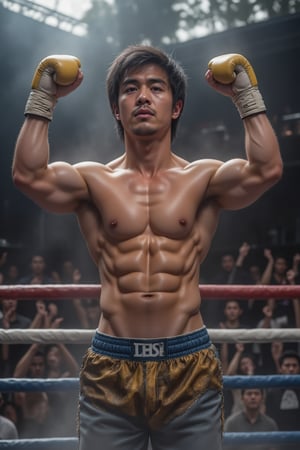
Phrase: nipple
(113, 223)
(182, 222)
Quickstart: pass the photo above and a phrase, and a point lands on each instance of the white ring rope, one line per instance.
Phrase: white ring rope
(64, 336)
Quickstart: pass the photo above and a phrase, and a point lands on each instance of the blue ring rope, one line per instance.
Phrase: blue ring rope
(232, 439)
(230, 382)
(71, 384)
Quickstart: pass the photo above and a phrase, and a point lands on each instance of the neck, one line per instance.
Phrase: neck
(233, 323)
(148, 156)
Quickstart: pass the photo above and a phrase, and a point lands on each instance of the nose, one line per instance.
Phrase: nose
(143, 97)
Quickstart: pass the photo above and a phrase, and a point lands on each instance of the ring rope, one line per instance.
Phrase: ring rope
(271, 437)
(214, 291)
(85, 336)
(69, 384)
(74, 336)
(40, 444)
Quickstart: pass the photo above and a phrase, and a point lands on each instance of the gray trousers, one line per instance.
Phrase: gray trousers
(199, 428)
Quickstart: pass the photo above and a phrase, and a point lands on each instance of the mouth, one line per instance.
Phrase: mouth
(143, 112)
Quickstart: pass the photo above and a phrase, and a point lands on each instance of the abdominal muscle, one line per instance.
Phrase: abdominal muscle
(150, 288)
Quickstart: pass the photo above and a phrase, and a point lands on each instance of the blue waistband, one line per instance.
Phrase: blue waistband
(151, 349)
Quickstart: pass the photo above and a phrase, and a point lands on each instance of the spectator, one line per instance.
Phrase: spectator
(233, 315)
(231, 272)
(278, 314)
(8, 429)
(283, 404)
(250, 419)
(10, 354)
(242, 363)
(12, 274)
(32, 364)
(276, 274)
(36, 422)
(62, 405)
(13, 412)
(37, 275)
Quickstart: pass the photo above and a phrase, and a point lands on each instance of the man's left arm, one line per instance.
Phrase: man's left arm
(239, 182)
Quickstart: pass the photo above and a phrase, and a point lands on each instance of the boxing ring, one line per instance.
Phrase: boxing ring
(48, 336)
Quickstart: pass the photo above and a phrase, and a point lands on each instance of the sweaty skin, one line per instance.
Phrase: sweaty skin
(149, 217)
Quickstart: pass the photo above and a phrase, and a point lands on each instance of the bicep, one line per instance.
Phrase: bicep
(235, 185)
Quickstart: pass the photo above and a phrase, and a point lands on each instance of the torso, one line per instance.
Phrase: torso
(148, 237)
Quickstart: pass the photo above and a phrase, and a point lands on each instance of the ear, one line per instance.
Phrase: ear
(177, 108)
(116, 112)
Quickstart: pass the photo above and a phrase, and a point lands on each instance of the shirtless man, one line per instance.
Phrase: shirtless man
(148, 219)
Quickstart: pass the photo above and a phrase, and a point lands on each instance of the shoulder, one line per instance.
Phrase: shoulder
(204, 164)
(269, 422)
(8, 429)
(22, 321)
(90, 166)
(233, 420)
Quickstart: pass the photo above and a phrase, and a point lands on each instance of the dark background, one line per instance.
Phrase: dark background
(83, 129)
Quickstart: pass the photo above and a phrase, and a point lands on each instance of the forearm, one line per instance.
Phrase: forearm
(37, 321)
(69, 360)
(266, 276)
(32, 149)
(23, 365)
(224, 356)
(262, 148)
(233, 365)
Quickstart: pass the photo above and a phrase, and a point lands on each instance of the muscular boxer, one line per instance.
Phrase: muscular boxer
(148, 219)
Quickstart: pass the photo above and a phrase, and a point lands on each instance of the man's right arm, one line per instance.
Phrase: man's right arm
(57, 187)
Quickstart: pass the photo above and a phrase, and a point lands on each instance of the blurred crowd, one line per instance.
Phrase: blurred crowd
(53, 414)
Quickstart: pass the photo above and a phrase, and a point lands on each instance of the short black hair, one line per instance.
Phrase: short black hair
(251, 389)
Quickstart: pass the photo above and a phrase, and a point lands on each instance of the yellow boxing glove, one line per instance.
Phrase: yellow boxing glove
(236, 70)
(52, 71)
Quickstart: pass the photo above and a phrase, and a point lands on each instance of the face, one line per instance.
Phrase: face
(232, 310)
(9, 303)
(246, 365)
(38, 265)
(252, 399)
(290, 366)
(254, 272)
(227, 262)
(37, 367)
(54, 357)
(145, 102)
(13, 272)
(280, 266)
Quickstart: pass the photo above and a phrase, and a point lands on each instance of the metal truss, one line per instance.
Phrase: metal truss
(46, 15)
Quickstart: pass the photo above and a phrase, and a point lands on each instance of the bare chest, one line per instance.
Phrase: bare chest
(162, 205)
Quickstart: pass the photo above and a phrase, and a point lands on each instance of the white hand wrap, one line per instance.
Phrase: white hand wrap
(249, 102)
(40, 104)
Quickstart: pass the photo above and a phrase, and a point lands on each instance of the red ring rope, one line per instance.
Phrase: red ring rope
(60, 291)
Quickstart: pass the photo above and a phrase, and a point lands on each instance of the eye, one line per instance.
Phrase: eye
(156, 88)
(130, 89)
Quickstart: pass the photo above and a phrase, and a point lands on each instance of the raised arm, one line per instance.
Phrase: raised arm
(239, 182)
(57, 187)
